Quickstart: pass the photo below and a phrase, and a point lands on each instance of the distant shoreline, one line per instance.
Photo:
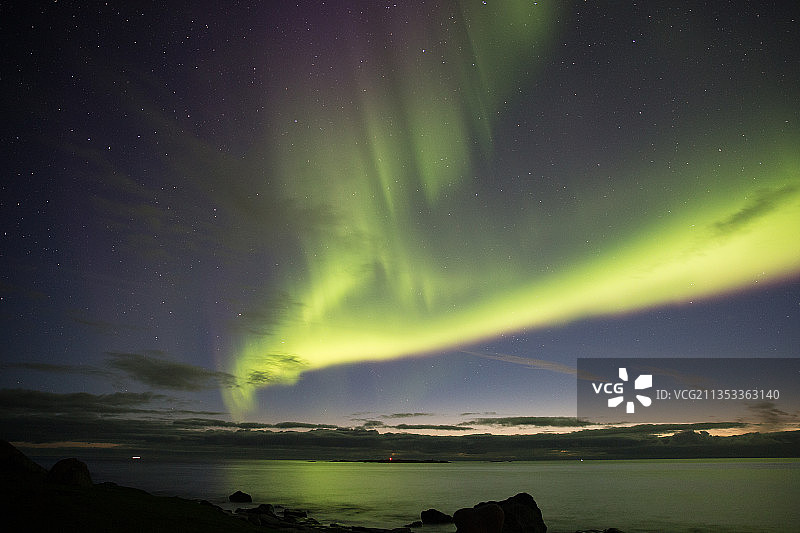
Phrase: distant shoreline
(388, 461)
(629, 443)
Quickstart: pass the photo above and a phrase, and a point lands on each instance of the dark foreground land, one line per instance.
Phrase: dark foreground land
(31, 499)
(64, 499)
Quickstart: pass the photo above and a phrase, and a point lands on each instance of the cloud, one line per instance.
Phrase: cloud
(405, 415)
(377, 424)
(123, 417)
(278, 366)
(369, 423)
(208, 423)
(204, 423)
(150, 368)
(440, 427)
(770, 418)
(759, 205)
(539, 421)
(538, 364)
(160, 373)
(22, 401)
(525, 361)
(300, 425)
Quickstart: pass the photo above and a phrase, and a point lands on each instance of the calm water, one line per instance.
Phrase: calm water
(667, 495)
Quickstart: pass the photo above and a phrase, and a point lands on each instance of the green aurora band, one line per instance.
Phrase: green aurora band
(417, 258)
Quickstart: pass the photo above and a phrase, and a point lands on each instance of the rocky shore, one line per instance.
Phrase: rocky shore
(65, 499)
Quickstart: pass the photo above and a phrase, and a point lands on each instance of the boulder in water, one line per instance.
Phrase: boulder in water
(487, 518)
(434, 516)
(240, 497)
(522, 515)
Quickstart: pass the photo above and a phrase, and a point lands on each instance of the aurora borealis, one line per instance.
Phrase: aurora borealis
(423, 253)
(338, 212)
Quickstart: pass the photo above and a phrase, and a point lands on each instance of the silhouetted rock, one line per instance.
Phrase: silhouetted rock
(486, 518)
(70, 472)
(240, 497)
(16, 467)
(416, 523)
(433, 516)
(294, 514)
(520, 514)
(266, 508)
(28, 502)
(271, 521)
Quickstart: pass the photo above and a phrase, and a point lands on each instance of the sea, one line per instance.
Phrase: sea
(683, 495)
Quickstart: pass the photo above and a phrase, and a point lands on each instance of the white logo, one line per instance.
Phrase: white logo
(644, 381)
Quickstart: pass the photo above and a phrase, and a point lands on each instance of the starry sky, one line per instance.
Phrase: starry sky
(396, 215)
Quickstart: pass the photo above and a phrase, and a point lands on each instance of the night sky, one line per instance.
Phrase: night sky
(382, 214)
